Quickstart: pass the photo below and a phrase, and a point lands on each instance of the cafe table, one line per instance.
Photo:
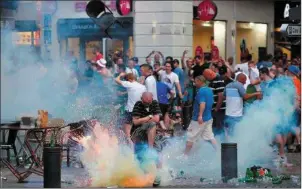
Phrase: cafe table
(36, 165)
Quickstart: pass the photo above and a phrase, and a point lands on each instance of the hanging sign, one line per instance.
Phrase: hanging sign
(207, 10)
(124, 7)
(198, 51)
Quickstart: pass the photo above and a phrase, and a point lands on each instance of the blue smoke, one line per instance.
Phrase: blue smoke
(253, 135)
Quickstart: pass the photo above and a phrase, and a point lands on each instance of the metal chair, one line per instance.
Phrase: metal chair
(10, 144)
(76, 131)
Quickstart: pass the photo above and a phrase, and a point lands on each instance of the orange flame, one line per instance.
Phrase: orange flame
(110, 164)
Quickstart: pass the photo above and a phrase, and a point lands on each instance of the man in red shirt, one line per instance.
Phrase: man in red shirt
(98, 55)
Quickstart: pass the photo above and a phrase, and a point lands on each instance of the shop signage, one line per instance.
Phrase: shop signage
(198, 51)
(215, 53)
(207, 10)
(286, 11)
(80, 6)
(124, 7)
(84, 26)
(291, 30)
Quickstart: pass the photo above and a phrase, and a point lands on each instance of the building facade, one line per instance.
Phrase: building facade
(167, 26)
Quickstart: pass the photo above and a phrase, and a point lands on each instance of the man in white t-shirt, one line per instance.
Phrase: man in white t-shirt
(170, 78)
(149, 81)
(135, 91)
(131, 69)
(243, 67)
(254, 75)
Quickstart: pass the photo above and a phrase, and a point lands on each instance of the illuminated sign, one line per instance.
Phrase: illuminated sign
(286, 11)
(124, 7)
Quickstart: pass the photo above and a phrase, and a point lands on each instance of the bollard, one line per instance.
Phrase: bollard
(52, 166)
(229, 167)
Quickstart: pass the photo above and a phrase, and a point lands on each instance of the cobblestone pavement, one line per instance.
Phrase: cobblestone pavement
(71, 174)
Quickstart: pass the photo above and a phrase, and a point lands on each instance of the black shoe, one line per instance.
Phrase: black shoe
(156, 182)
(298, 148)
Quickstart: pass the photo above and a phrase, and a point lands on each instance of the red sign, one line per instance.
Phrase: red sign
(198, 51)
(207, 10)
(124, 7)
(215, 53)
(80, 6)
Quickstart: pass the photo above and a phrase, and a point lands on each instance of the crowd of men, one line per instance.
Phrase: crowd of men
(160, 91)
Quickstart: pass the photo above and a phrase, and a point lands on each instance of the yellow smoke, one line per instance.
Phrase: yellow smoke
(110, 164)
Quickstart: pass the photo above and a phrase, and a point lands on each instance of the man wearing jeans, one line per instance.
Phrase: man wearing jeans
(201, 124)
(235, 94)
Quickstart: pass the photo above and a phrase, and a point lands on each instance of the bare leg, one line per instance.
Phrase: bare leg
(127, 129)
(214, 143)
(162, 124)
(279, 140)
(297, 135)
(151, 136)
(226, 134)
(189, 146)
(166, 119)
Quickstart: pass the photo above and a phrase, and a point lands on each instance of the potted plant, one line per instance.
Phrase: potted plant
(52, 151)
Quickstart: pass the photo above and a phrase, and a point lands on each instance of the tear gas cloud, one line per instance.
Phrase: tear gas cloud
(30, 82)
(253, 134)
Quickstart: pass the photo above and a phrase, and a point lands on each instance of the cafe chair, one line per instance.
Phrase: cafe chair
(69, 139)
(10, 145)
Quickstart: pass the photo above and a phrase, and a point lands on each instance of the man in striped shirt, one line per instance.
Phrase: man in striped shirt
(218, 110)
(145, 117)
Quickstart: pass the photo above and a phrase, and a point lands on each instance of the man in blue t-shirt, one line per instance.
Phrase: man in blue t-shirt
(163, 90)
(201, 123)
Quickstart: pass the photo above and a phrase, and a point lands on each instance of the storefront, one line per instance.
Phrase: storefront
(251, 38)
(81, 35)
(172, 27)
(236, 29)
(166, 26)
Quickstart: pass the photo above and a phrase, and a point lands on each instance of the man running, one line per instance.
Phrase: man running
(201, 123)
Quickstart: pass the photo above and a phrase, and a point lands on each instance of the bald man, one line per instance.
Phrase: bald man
(145, 117)
(235, 94)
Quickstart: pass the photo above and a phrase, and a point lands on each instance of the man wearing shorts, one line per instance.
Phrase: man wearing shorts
(201, 123)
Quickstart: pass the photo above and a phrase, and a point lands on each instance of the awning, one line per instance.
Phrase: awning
(26, 25)
(82, 27)
(9, 4)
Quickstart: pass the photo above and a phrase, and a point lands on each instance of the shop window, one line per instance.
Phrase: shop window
(249, 38)
(204, 32)
(74, 46)
(22, 38)
(89, 47)
(37, 38)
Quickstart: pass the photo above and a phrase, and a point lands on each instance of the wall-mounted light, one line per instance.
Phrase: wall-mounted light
(183, 29)
(153, 27)
(153, 30)
(233, 33)
(206, 24)
(251, 24)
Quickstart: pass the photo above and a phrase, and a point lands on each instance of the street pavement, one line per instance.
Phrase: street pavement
(70, 175)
